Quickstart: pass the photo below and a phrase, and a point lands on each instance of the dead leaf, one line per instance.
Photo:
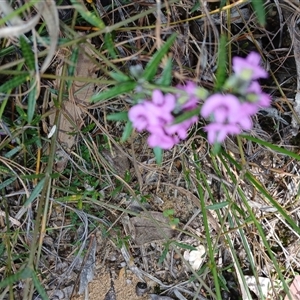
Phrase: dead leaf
(72, 117)
(148, 227)
(295, 289)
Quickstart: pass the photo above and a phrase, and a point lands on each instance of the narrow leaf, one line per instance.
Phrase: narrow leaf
(27, 54)
(72, 65)
(90, 17)
(35, 193)
(6, 183)
(23, 274)
(152, 66)
(39, 287)
(166, 77)
(114, 91)
(12, 152)
(217, 206)
(121, 116)
(109, 45)
(184, 246)
(31, 101)
(13, 83)
(120, 77)
(164, 254)
(222, 64)
(127, 131)
(258, 6)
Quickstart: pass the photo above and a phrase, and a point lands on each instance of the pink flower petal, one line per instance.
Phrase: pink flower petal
(221, 106)
(216, 133)
(251, 63)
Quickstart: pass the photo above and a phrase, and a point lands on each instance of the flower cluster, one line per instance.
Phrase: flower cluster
(157, 117)
(229, 113)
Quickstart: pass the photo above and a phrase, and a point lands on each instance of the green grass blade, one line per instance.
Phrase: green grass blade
(271, 146)
(262, 191)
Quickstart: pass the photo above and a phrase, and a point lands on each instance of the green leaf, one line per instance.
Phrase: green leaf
(35, 193)
(27, 54)
(21, 112)
(72, 65)
(196, 6)
(221, 73)
(158, 153)
(117, 90)
(271, 146)
(184, 246)
(223, 2)
(152, 66)
(168, 212)
(110, 45)
(31, 101)
(6, 183)
(13, 83)
(217, 206)
(39, 287)
(258, 6)
(164, 254)
(90, 17)
(32, 176)
(121, 116)
(120, 77)
(127, 131)
(166, 77)
(23, 274)
(12, 152)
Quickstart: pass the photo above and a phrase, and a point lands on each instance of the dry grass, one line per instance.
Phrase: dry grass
(68, 201)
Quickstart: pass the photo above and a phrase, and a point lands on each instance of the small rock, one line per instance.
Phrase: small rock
(141, 288)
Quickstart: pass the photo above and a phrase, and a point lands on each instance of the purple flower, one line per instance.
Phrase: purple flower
(162, 140)
(217, 132)
(230, 116)
(157, 118)
(181, 129)
(165, 102)
(138, 116)
(222, 107)
(249, 68)
(262, 99)
(151, 114)
(191, 89)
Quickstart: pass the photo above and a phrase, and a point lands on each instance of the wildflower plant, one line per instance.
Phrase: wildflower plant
(228, 111)
(166, 111)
